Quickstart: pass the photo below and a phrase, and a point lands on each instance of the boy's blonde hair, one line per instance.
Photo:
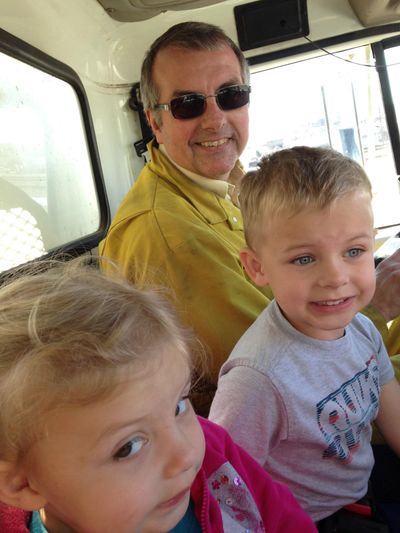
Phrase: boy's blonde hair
(69, 335)
(294, 179)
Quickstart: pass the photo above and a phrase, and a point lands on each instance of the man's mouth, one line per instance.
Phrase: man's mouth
(214, 144)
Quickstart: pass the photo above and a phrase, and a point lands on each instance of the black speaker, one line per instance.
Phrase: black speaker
(270, 21)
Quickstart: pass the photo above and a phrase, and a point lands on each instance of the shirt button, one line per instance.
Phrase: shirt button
(235, 219)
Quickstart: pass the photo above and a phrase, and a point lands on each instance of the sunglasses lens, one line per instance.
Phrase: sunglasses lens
(188, 106)
(233, 97)
(193, 105)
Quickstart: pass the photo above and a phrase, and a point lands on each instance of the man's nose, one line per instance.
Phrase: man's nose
(213, 115)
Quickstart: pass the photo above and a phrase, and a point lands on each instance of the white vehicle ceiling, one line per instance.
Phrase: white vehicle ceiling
(136, 10)
(369, 12)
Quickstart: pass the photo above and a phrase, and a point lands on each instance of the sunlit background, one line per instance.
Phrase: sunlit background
(332, 101)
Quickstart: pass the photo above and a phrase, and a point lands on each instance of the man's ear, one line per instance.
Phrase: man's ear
(253, 267)
(15, 489)
(154, 125)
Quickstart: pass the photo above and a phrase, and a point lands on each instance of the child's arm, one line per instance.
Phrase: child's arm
(277, 506)
(249, 407)
(280, 510)
(388, 419)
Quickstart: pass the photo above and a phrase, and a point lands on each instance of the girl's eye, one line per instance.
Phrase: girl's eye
(304, 260)
(354, 252)
(181, 407)
(130, 448)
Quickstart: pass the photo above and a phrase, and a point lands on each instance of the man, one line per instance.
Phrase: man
(180, 225)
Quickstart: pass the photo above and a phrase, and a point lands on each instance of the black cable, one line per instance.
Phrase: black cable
(316, 45)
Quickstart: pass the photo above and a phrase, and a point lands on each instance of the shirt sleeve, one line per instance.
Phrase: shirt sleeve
(250, 408)
(393, 341)
(377, 318)
(386, 371)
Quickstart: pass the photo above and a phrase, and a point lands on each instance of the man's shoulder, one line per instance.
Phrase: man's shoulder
(150, 193)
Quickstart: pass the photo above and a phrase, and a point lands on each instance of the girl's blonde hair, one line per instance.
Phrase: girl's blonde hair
(66, 332)
(290, 180)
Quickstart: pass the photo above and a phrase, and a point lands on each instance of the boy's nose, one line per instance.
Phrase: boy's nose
(333, 274)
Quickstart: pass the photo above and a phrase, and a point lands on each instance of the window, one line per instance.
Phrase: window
(49, 197)
(329, 101)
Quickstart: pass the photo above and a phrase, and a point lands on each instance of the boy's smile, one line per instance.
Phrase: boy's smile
(320, 264)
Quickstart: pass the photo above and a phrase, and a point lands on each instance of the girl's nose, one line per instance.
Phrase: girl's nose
(180, 454)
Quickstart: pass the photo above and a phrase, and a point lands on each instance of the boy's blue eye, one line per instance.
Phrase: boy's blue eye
(354, 252)
(303, 260)
(130, 448)
(181, 407)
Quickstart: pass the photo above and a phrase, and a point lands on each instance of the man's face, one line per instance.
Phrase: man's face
(210, 144)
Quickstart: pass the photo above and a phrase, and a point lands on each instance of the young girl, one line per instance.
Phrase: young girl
(97, 434)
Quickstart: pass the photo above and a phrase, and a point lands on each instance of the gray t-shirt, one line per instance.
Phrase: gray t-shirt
(303, 407)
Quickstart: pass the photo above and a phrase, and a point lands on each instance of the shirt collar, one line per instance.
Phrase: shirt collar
(220, 187)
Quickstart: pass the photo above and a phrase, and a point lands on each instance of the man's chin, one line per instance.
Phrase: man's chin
(218, 172)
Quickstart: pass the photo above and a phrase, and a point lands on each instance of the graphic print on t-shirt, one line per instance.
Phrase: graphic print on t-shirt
(346, 412)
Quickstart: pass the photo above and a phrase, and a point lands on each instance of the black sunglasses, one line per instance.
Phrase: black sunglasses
(193, 105)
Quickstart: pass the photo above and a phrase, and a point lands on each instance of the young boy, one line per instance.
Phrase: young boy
(304, 383)
(97, 434)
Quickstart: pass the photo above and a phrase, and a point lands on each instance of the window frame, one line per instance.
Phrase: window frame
(349, 39)
(22, 51)
(378, 50)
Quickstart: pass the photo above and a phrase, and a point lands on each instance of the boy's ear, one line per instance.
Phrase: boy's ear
(253, 267)
(15, 489)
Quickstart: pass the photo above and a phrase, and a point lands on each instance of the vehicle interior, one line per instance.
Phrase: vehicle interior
(73, 133)
(73, 138)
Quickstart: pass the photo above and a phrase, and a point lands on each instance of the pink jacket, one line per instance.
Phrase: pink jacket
(232, 492)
